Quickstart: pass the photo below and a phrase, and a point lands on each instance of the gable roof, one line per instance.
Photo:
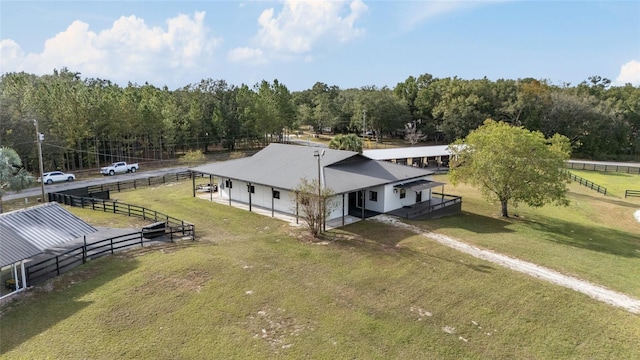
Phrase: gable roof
(282, 166)
(28, 232)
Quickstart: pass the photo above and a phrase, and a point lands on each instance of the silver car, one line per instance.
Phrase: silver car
(56, 176)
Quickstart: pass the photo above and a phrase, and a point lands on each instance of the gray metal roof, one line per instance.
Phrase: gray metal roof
(407, 152)
(27, 232)
(419, 185)
(282, 166)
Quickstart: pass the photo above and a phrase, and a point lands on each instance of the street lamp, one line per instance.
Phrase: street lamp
(39, 138)
(319, 154)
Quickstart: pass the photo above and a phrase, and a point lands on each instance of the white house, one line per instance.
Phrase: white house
(362, 186)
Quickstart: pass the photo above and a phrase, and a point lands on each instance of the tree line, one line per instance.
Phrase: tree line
(89, 122)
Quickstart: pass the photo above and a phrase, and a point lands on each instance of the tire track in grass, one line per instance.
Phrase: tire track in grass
(594, 291)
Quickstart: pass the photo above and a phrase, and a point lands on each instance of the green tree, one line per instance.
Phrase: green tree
(315, 204)
(349, 142)
(12, 175)
(510, 163)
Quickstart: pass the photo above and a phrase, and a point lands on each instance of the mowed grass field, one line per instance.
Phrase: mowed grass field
(250, 289)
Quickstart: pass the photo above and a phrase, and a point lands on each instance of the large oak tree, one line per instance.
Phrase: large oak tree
(512, 164)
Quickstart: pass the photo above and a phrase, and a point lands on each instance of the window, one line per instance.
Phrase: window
(251, 189)
(228, 184)
(403, 193)
(276, 194)
(373, 195)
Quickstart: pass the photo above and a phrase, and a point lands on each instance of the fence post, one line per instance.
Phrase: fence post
(128, 210)
(118, 185)
(143, 216)
(141, 239)
(114, 207)
(111, 241)
(84, 250)
(182, 227)
(57, 266)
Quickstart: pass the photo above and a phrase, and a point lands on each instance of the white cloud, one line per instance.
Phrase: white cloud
(629, 73)
(246, 54)
(10, 55)
(302, 24)
(128, 51)
(420, 11)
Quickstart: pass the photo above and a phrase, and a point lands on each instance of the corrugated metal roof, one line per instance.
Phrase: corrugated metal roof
(27, 232)
(282, 166)
(419, 185)
(407, 152)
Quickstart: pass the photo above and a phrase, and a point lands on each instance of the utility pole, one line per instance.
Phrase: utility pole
(39, 138)
(364, 123)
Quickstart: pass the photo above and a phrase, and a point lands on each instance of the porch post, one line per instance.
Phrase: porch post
(229, 188)
(15, 276)
(363, 195)
(343, 209)
(442, 192)
(24, 275)
(272, 203)
(210, 187)
(249, 191)
(193, 183)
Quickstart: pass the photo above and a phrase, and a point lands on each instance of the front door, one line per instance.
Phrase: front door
(359, 202)
(418, 197)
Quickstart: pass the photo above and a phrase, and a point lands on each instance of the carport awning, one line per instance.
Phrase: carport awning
(419, 185)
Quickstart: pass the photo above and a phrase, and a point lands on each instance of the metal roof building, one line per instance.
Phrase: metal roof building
(408, 152)
(28, 232)
(282, 166)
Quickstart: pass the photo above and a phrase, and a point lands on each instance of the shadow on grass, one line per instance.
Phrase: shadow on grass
(33, 312)
(381, 239)
(471, 222)
(594, 238)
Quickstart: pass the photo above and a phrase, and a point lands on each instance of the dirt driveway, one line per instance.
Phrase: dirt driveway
(595, 291)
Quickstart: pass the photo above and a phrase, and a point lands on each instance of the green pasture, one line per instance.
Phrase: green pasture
(252, 288)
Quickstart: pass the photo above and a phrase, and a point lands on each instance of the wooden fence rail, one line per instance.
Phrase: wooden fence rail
(174, 225)
(61, 263)
(631, 193)
(587, 183)
(146, 182)
(451, 199)
(629, 169)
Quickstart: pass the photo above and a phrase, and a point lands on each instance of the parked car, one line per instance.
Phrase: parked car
(56, 176)
(119, 168)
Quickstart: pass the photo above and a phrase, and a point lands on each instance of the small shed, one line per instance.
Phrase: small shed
(28, 232)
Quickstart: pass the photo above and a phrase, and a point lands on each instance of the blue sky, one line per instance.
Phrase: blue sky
(345, 43)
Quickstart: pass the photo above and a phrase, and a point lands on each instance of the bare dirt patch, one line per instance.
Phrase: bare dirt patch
(594, 291)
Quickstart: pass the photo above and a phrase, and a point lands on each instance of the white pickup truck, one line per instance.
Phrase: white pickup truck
(118, 168)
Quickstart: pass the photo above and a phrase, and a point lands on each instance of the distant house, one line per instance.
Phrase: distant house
(362, 186)
(433, 157)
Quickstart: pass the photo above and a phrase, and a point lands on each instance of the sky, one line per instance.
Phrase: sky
(349, 44)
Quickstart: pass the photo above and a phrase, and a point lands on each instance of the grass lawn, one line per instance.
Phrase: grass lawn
(595, 238)
(250, 289)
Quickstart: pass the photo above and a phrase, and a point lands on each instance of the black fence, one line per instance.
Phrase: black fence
(137, 183)
(631, 193)
(587, 183)
(174, 225)
(629, 169)
(435, 205)
(37, 272)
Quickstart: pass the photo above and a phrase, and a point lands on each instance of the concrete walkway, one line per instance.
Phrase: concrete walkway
(291, 219)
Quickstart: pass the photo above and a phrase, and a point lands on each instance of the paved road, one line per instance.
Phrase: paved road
(35, 191)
